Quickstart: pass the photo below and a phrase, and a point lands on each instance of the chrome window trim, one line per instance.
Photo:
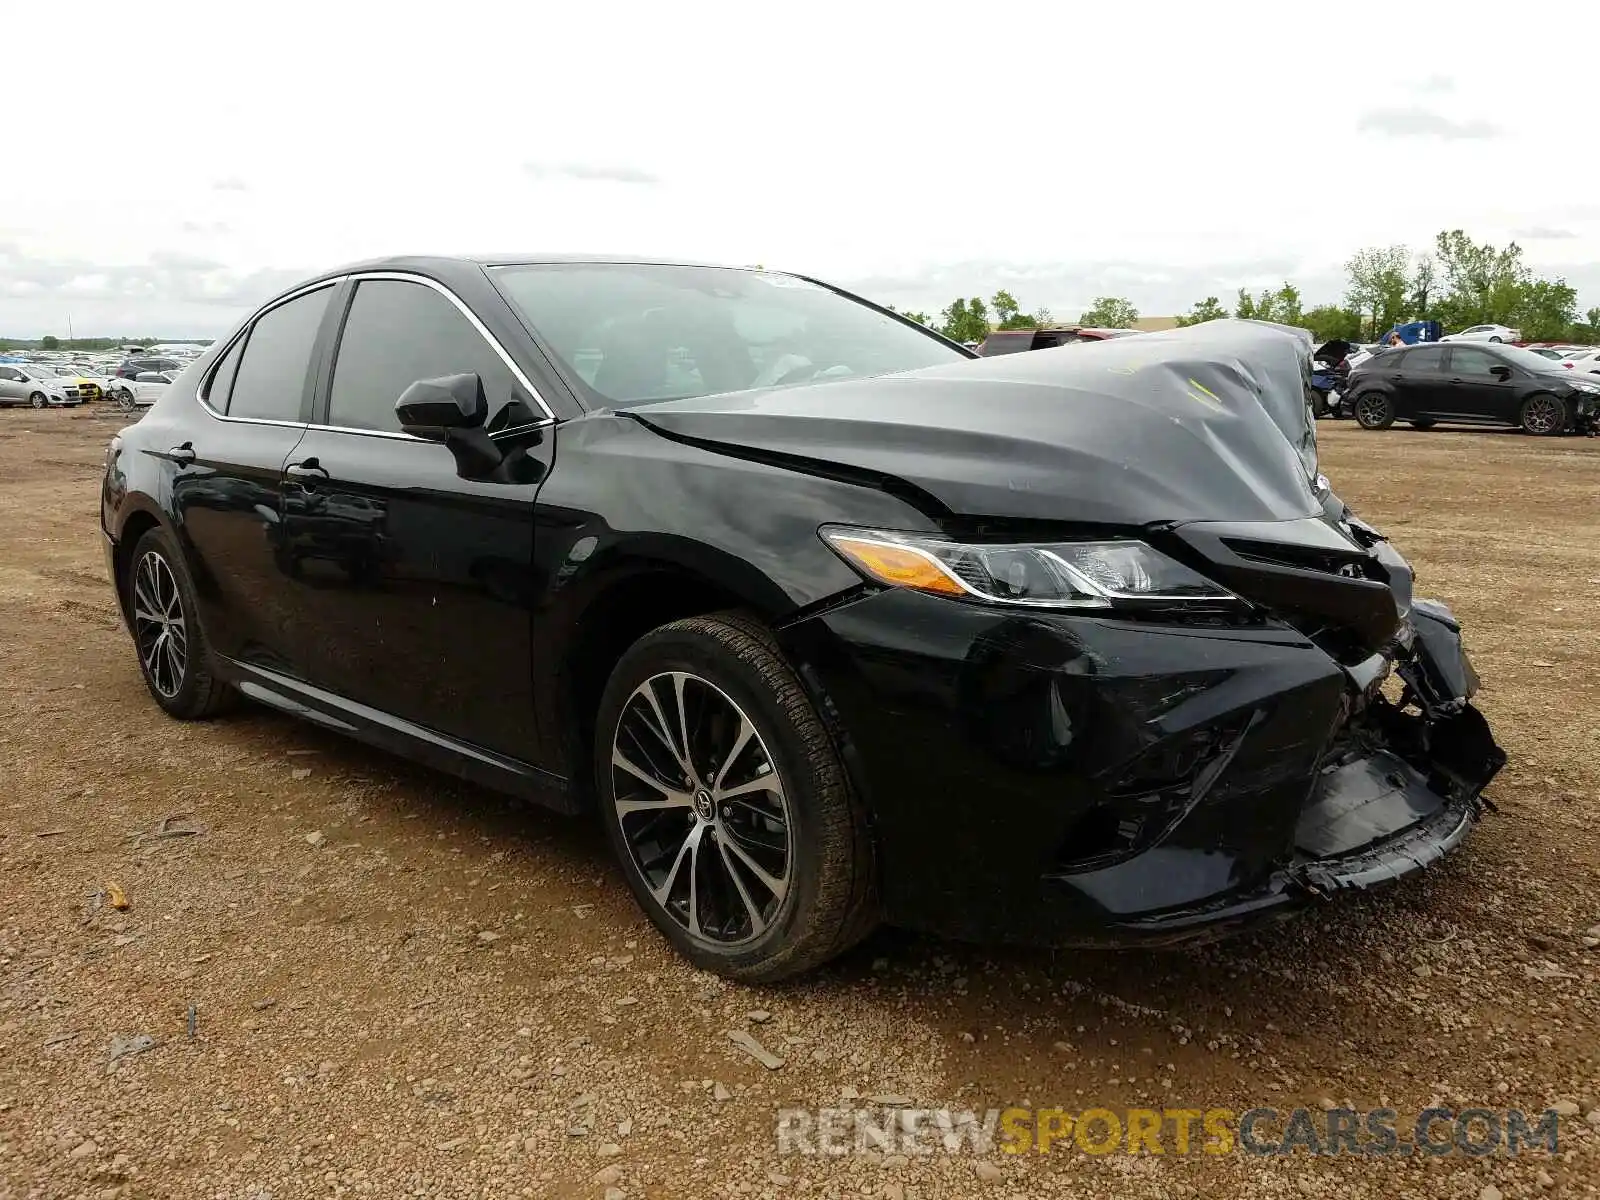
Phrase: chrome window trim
(396, 276)
(201, 393)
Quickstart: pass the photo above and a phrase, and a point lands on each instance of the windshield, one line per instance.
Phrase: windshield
(631, 333)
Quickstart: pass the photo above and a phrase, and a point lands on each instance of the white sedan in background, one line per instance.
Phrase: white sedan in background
(1485, 333)
(148, 387)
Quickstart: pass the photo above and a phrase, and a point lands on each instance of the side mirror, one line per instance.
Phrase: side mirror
(1500, 371)
(430, 408)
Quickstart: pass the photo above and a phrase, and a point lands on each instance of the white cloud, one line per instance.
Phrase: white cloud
(1415, 121)
(1157, 152)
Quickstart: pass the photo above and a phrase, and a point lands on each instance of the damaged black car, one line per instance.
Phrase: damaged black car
(829, 620)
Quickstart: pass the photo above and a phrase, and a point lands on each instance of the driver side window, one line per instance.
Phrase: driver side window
(396, 333)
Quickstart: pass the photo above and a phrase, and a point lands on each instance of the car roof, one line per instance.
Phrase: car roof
(414, 262)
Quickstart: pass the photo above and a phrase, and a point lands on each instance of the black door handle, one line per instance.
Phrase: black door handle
(182, 455)
(308, 468)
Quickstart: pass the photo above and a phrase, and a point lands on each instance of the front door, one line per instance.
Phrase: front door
(413, 584)
(226, 488)
(1481, 395)
(13, 386)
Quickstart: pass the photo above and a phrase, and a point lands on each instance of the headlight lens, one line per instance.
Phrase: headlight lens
(1592, 389)
(1047, 575)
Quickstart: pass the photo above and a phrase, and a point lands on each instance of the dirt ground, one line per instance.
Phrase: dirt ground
(363, 978)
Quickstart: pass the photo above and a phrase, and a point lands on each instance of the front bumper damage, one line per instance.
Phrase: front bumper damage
(1066, 779)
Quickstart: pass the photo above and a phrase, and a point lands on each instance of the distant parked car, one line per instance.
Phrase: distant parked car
(148, 387)
(1485, 333)
(132, 367)
(1585, 361)
(1480, 385)
(37, 385)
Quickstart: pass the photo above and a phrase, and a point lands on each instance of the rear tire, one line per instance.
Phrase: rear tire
(1374, 410)
(775, 877)
(174, 656)
(1543, 415)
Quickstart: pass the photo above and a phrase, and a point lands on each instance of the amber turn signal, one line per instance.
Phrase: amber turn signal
(897, 565)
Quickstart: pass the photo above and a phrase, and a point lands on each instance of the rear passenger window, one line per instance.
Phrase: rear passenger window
(270, 380)
(1427, 358)
(395, 334)
(222, 378)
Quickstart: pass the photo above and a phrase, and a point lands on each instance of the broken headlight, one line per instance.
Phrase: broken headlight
(1045, 575)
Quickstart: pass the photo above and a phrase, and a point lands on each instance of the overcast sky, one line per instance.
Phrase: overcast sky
(170, 165)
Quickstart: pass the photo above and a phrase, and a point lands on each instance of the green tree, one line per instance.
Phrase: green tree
(1110, 312)
(1329, 321)
(1546, 310)
(1483, 283)
(1007, 312)
(49, 342)
(1209, 309)
(1380, 277)
(1274, 304)
(1424, 288)
(921, 318)
(965, 320)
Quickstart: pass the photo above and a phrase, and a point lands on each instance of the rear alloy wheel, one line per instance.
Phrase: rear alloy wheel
(37, 400)
(173, 655)
(1495, 339)
(727, 804)
(1374, 410)
(1543, 415)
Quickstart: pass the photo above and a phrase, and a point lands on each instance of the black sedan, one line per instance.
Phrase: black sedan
(830, 621)
(1479, 384)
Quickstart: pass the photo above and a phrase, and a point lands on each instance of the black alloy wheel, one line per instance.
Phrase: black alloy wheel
(727, 805)
(159, 629)
(174, 657)
(1543, 415)
(702, 808)
(1374, 410)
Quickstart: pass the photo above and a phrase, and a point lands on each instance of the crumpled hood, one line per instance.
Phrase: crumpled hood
(1204, 423)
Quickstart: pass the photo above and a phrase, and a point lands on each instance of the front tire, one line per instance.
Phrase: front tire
(1374, 410)
(174, 656)
(125, 400)
(37, 400)
(1543, 415)
(727, 804)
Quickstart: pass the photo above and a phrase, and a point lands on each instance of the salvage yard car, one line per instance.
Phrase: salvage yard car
(832, 621)
(36, 385)
(1479, 384)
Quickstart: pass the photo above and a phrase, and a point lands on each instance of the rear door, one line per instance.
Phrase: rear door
(415, 583)
(1418, 376)
(227, 491)
(1477, 393)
